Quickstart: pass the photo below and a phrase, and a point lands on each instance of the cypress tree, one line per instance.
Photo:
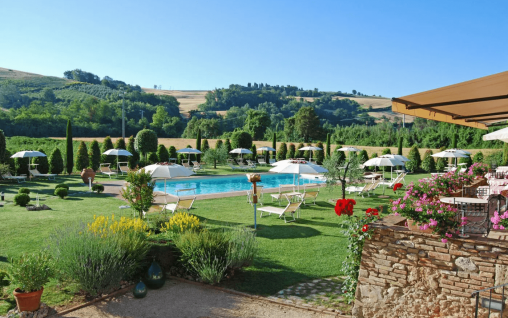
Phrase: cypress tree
(505, 154)
(320, 156)
(172, 152)
(299, 153)
(69, 151)
(106, 145)
(291, 151)
(133, 160)
(254, 153)
(198, 145)
(120, 144)
(274, 144)
(399, 150)
(363, 156)
(162, 153)
(204, 145)
(328, 145)
(228, 145)
(56, 164)
(43, 165)
(428, 163)
(441, 162)
(281, 154)
(341, 155)
(218, 144)
(82, 159)
(415, 160)
(95, 155)
(307, 154)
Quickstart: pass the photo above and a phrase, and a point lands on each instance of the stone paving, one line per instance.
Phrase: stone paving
(319, 293)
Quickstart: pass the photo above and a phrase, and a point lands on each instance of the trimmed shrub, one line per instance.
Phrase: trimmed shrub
(152, 158)
(467, 160)
(42, 162)
(399, 148)
(218, 144)
(478, 157)
(24, 190)
(162, 153)
(146, 141)
(428, 163)
(106, 145)
(82, 159)
(281, 154)
(241, 139)
(97, 187)
(69, 153)
(95, 155)
(172, 152)
(133, 160)
(62, 185)
(364, 156)
(21, 199)
(299, 153)
(291, 151)
(319, 154)
(61, 192)
(415, 160)
(56, 164)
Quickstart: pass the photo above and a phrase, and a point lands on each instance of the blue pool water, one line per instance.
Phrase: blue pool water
(226, 184)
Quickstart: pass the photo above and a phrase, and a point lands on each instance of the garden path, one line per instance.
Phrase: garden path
(179, 299)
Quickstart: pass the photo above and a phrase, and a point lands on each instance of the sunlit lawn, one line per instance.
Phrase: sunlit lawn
(309, 248)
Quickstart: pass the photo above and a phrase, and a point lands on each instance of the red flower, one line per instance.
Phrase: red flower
(365, 228)
(371, 211)
(344, 206)
(397, 186)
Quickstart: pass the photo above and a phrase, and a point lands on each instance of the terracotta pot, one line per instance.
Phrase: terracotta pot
(416, 228)
(87, 173)
(28, 301)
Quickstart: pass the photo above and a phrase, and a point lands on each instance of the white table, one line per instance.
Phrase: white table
(456, 200)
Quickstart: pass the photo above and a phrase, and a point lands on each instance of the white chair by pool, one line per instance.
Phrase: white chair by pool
(292, 207)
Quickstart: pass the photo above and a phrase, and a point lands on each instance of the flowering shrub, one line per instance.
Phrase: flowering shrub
(397, 186)
(357, 230)
(421, 204)
(499, 222)
(103, 226)
(344, 206)
(181, 222)
(478, 168)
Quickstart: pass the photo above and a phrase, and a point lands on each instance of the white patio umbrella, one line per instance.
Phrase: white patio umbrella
(266, 149)
(348, 149)
(285, 162)
(399, 157)
(462, 151)
(298, 168)
(117, 152)
(28, 154)
(501, 134)
(311, 148)
(451, 153)
(241, 151)
(167, 172)
(189, 151)
(384, 161)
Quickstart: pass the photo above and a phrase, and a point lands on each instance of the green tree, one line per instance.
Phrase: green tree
(241, 139)
(120, 144)
(254, 151)
(441, 162)
(415, 160)
(56, 164)
(204, 145)
(291, 151)
(95, 155)
(228, 145)
(146, 141)
(152, 157)
(133, 160)
(69, 150)
(48, 96)
(328, 145)
(107, 144)
(219, 144)
(428, 163)
(455, 137)
(363, 156)
(82, 159)
(335, 174)
(172, 152)
(256, 123)
(298, 152)
(399, 149)
(307, 154)
(274, 144)
(467, 160)
(478, 157)
(374, 155)
(281, 154)
(307, 123)
(3, 146)
(21, 165)
(162, 153)
(319, 154)
(159, 118)
(386, 151)
(42, 162)
(505, 155)
(198, 144)
(139, 191)
(217, 155)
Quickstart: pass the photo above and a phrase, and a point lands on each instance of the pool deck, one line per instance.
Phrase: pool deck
(113, 187)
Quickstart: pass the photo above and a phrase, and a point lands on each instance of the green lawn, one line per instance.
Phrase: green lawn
(310, 248)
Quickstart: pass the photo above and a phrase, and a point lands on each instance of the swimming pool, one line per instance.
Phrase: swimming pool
(227, 183)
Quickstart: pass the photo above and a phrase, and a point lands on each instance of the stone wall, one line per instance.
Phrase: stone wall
(412, 274)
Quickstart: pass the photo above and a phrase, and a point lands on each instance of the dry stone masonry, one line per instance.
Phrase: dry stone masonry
(413, 274)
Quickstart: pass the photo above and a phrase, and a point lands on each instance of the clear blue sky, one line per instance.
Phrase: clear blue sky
(392, 48)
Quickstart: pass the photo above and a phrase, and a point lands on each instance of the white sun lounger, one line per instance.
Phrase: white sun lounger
(106, 170)
(9, 176)
(36, 174)
(290, 208)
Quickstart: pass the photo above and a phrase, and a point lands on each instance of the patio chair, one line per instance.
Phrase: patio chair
(9, 176)
(262, 161)
(476, 192)
(36, 174)
(290, 208)
(104, 169)
(272, 161)
(373, 186)
(259, 194)
(390, 184)
(123, 168)
(196, 166)
(477, 214)
(246, 167)
(283, 187)
(187, 165)
(182, 204)
(309, 195)
(359, 190)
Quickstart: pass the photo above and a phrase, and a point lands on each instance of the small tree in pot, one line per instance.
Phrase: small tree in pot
(30, 273)
(139, 191)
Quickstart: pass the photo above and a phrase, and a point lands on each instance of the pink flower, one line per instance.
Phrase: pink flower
(444, 240)
(433, 222)
(448, 235)
(396, 213)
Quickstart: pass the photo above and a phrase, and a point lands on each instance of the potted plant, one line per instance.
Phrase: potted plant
(86, 173)
(30, 273)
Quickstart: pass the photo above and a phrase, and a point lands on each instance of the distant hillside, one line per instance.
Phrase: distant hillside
(189, 100)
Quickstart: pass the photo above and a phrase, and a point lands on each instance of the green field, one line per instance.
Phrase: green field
(310, 248)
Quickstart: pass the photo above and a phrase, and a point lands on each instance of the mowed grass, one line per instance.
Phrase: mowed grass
(312, 247)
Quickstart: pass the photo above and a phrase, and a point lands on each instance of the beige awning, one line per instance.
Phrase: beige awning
(477, 103)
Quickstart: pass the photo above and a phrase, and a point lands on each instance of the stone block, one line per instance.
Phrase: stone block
(447, 281)
(376, 243)
(463, 274)
(488, 269)
(498, 250)
(482, 247)
(440, 256)
(487, 275)
(408, 262)
(451, 287)
(380, 256)
(435, 243)
(363, 273)
(466, 264)
(488, 254)
(400, 271)
(461, 294)
(383, 262)
(388, 277)
(468, 246)
(501, 276)
(399, 266)
(442, 250)
(413, 250)
(463, 285)
(424, 247)
(412, 257)
(406, 243)
(392, 259)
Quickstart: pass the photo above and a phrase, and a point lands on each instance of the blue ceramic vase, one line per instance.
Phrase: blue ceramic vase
(155, 277)
(140, 290)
